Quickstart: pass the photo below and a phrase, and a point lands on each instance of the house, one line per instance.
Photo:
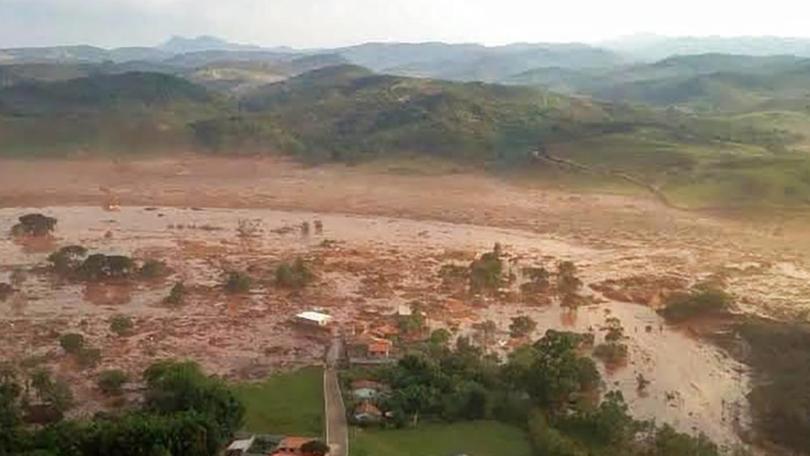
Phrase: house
(292, 446)
(367, 412)
(315, 319)
(240, 447)
(385, 330)
(367, 389)
(370, 347)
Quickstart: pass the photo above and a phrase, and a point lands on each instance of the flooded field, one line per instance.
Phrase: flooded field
(366, 267)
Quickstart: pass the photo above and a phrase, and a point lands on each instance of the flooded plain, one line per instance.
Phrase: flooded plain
(367, 268)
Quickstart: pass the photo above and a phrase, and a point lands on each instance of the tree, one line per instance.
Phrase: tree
(111, 381)
(121, 325)
(440, 336)
(67, 259)
(315, 448)
(99, 267)
(53, 392)
(486, 271)
(72, 343)
(547, 441)
(551, 371)
(34, 225)
(173, 387)
(567, 281)
(669, 442)
(486, 331)
(10, 420)
(177, 294)
(522, 326)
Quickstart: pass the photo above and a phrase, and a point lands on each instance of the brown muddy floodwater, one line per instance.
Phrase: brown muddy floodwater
(371, 266)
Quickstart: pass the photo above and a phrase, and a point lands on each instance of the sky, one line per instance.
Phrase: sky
(332, 23)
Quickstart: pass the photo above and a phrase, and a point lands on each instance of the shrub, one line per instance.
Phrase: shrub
(177, 294)
(153, 269)
(238, 282)
(296, 275)
(72, 342)
(111, 381)
(88, 357)
(121, 324)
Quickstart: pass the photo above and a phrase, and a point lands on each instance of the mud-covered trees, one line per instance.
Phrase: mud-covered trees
(34, 225)
(74, 262)
(568, 285)
(486, 271)
(121, 325)
(296, 275)
(177, 295)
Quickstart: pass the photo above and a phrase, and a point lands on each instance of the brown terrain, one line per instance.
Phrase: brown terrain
(385, 236)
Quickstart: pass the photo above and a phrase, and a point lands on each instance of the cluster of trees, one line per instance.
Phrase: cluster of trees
(704, 299)
(184, 413)
(613, 350)
(75, 262)
(548, 387)
(295, 275)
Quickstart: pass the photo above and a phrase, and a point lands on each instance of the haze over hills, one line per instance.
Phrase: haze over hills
(732, 125)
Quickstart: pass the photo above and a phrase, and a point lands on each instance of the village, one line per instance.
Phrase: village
(265, 292)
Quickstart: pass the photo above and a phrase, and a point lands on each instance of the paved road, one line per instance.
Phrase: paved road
(337, 430)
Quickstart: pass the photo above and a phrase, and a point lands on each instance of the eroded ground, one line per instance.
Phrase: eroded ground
(405, 227)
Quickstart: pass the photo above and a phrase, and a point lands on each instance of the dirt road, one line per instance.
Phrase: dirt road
(337, 429)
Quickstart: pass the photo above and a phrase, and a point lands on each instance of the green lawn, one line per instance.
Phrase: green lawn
(479, 438)
(290, 403)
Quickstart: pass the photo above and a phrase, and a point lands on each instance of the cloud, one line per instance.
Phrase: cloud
(323, 23)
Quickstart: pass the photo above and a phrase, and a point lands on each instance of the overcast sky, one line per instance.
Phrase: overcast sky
(329, 23)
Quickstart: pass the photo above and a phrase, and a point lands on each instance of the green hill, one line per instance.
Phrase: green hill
(132, 112)
(348, 112)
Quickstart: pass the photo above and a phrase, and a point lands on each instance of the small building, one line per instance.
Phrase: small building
(240, 447)
(367, 413)
(315, 319)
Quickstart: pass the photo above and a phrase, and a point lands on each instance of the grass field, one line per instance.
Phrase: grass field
(290, 403)
(480, 438)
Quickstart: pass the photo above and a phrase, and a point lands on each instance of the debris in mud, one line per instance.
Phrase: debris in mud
(648, 290)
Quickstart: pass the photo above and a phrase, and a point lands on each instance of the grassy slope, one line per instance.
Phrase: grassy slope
(290, 403)
(482, 438)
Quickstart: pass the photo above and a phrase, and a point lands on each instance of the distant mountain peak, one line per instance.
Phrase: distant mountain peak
(181, 44)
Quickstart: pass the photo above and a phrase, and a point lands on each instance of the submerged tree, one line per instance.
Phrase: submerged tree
(34, 225)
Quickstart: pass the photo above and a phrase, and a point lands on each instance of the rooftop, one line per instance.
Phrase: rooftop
(318, 317)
